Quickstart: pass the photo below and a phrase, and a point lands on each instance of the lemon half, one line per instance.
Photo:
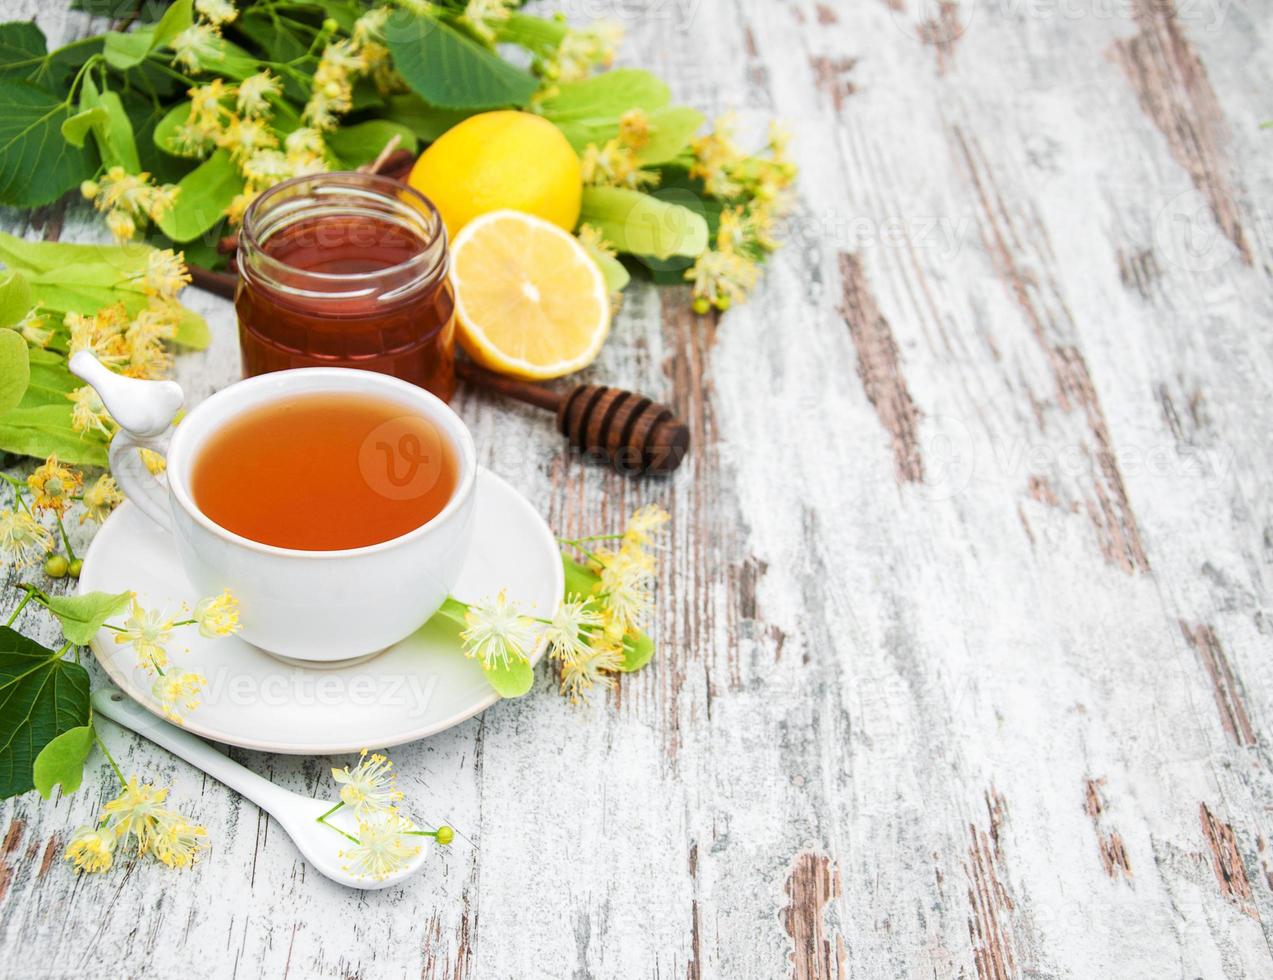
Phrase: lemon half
(529, 301)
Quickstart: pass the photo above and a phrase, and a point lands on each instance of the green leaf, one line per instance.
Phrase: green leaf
(192, 331)
(539, 35)
(29, 256)
(426, 121)
(362, 142)
(41, 696)
(637, 651)
(612, 270)
(24, 55)
(641, 224)
(77, 127)
(46, 429)
(62, 760)
(82, 616)
(15, 369)
(607, 96)
(124, 51)
(16, 298)
(511, 680)
(112, 129)
(205, 194)
(176, 19)
(36, 164)
(671, 130)
(449, 69)
(581, 580)
(165, 132)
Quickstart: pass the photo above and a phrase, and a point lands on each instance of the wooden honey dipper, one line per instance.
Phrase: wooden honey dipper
(629, 431)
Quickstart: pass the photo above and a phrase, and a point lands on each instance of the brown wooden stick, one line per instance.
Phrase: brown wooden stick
(217, 283)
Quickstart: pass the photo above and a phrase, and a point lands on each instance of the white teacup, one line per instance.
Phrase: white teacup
(321, 606)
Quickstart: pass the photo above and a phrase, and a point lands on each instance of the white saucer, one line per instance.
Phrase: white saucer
(419, 687)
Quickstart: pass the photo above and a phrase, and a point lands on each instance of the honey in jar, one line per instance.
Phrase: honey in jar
(347, 270)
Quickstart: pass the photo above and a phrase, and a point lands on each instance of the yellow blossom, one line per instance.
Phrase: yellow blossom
(88, 414)
(643, 522)
(146, 355)
(571, 631)
(53, 485)
(255, 91)
(177, 842)
(217, 615)
(590, 669)
(147, 630)
(101, 334)
(24, 539)
(166, 274)
(266, 168)
(138, 811)
(91, 849)
(121, 225)
(208, 102)
(485, 16)
(239, 205)
(385, 845)
(246, 137)
(175, 690)
(197, 47)
(369, 787)
(217, 11)
(33, 330)
(498, 633)
(100, 499)
(580, 51)
(627, 588)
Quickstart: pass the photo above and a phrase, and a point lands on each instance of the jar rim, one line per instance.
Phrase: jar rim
(405, 199)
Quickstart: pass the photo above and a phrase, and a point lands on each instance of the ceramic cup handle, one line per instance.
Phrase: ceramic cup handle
(144, 411)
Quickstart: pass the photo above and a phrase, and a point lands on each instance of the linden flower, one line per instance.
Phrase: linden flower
(497, 633)
(121, 225)
(266, 168)
(722, 278)
(54, 485)
(483, 16)
(88, 414)
(384, 846)
(166, 274)
(101, 498)
(581, 51)
(570, 632)
(592, 668)
(33, 330)
(207, 102)
(91, 849)
(175, 690)
(177, 842)
(196, 47)
(305, 140)
(146, 356)
(137, 811)
(147, 630)
(101, 335)
(626, 584)
(642, 523)
(246, 137)
(24, 539)
(218, 11)
(217, 615)
(255, 92)
(369, 786)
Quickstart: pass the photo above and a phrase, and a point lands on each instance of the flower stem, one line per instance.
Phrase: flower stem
(323, 820)
(65, 538)
(14, 615)
(109, 758)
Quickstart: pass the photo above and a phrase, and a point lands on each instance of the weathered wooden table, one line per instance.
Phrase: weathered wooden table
(964, 648)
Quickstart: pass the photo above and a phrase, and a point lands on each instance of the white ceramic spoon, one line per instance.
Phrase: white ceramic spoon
(296, 814)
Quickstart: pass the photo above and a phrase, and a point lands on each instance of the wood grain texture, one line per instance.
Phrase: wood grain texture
(965, 640)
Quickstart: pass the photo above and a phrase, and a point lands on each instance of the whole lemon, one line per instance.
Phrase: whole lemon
(503, 159)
